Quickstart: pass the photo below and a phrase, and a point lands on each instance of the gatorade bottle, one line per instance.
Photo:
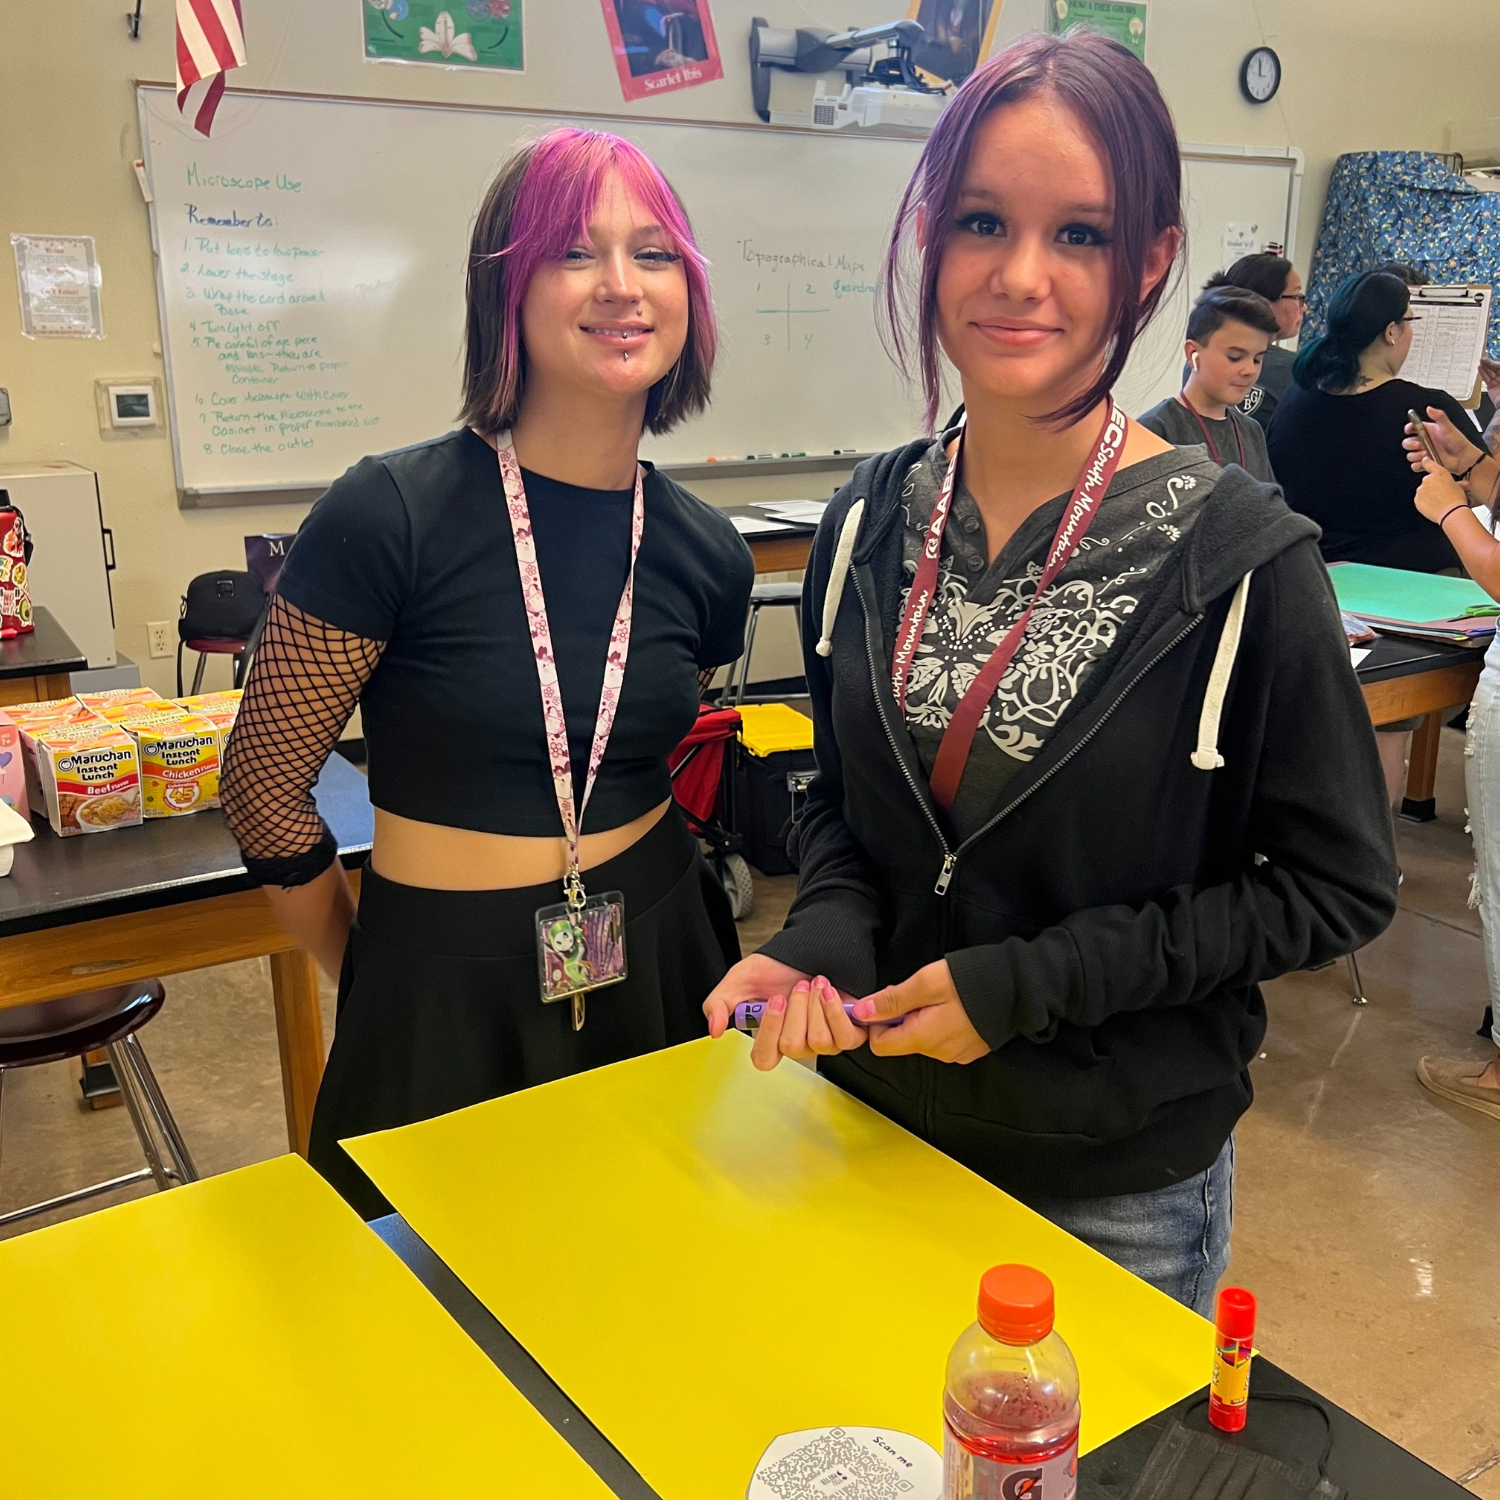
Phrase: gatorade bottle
(1010, 1406)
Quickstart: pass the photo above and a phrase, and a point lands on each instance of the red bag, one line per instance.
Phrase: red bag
(15, 553)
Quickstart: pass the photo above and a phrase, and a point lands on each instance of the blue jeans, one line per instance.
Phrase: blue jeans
(1177, 1237)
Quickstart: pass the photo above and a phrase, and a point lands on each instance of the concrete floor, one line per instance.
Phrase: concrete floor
(1366, 1209)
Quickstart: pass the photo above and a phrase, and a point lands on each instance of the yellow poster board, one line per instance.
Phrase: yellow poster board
(704, 1257)
(248, 1337)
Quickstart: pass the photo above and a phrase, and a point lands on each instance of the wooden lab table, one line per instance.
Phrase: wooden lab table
(784, 551)
(167, 896)
(1402, 678)
(37, 665)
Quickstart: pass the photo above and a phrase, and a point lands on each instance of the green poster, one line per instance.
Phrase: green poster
(450, 33)
(1120, 20)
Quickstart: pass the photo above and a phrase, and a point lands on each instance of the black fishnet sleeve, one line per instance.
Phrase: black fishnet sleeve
(303, 686)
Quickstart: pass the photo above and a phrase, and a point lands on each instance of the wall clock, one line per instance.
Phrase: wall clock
(1260, 75)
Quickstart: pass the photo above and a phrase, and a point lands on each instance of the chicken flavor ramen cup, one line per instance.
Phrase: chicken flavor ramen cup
(179, 765)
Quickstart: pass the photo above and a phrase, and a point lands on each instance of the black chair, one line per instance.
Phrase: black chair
(55, 1030)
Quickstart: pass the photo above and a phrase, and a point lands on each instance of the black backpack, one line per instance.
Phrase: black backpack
(221, 607)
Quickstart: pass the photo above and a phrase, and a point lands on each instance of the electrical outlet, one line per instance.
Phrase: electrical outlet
(159, 634)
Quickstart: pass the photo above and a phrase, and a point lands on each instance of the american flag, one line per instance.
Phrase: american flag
(210, 41)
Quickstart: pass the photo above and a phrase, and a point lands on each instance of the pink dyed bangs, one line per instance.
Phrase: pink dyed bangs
(562, 184)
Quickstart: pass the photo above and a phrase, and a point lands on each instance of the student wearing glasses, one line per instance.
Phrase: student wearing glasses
(1335, 442)
(1276, 279)
(1229, 334)
(1337, 447)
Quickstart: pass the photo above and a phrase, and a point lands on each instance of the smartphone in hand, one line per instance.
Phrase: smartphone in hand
(1419, 427)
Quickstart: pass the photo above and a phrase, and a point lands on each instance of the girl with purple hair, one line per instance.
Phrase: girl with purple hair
(522, 611)
(1091, 760)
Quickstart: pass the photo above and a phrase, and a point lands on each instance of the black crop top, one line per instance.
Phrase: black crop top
(414, 550)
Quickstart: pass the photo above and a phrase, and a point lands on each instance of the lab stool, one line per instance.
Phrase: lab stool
(207, 646)
(54, 1030)
(764, 596)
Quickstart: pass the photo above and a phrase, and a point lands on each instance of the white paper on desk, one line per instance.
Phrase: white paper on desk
(806, 512)
(1448, 337)
(821, 1463)
(757, 525)
(1357, 654)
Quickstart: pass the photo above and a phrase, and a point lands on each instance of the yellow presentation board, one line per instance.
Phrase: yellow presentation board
(705, 1257)
(248, 1336)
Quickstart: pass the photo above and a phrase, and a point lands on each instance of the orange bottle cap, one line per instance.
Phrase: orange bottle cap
(1015, 1304)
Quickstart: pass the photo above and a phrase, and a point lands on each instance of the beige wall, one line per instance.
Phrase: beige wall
(1357, 76)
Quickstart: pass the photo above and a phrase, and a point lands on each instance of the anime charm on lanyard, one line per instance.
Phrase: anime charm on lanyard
(581, 940)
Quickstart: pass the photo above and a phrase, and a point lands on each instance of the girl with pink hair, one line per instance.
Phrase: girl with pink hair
(522, 611)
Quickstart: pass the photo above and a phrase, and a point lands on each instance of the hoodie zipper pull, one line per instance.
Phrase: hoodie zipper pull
(945, 875)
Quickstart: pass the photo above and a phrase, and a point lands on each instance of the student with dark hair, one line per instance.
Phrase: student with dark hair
(1336, 441)
(1275, 278)
(1091, 760)
(1228, 333)
(523, 611)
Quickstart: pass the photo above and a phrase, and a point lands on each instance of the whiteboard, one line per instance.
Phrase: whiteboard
(311, 280)
(1256, 189)
(310, 261)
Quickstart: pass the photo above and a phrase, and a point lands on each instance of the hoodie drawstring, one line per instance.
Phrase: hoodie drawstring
(834, 594)
(1206, 757)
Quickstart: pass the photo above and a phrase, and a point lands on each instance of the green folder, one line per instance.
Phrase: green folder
(1394, 594)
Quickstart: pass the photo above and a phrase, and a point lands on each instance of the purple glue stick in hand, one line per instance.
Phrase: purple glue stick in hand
(747, 1014)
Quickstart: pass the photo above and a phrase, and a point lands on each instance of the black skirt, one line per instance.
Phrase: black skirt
(439, 1002)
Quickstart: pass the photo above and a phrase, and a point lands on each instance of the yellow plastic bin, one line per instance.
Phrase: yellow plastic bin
(773, 764)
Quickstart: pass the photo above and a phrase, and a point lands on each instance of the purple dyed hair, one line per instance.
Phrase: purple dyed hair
(1119, 104)
(535, 211)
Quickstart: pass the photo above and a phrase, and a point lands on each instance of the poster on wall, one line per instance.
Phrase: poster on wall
(958, 36)
(1120, 20)
(658, 49)
(448, 33)
(58, 278)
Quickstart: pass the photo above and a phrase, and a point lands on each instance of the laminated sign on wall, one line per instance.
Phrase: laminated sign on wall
(661, 48)
(58, 278)
(450, 33)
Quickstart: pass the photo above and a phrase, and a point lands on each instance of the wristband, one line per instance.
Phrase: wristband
(1461, 477)
(1449, 512)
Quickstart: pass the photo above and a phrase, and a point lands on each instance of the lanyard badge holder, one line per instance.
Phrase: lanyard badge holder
(581, 940)
(958, 737)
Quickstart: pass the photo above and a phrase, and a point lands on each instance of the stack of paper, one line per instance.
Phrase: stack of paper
(1426, 605)
(757, 525)
(803, 512)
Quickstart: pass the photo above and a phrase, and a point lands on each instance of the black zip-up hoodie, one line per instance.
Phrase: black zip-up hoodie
(1108, 928)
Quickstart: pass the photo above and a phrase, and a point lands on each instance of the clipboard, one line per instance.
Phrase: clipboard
(1449, 338)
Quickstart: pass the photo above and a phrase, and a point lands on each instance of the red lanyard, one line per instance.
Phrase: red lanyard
(1203, 428)
(958, 738)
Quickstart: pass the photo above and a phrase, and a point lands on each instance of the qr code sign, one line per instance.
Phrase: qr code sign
(833, 1467)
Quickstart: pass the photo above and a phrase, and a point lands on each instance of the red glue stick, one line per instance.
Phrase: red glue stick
(1234, 1336)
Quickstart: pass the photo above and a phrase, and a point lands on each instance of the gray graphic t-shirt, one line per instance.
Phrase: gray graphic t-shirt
(1147, 510)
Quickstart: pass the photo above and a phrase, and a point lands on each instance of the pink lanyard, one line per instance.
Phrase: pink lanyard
(1213, 452)
(958, 738)
(546, 663)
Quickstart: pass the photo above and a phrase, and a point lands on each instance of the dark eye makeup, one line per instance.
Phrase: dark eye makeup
(1075, 236)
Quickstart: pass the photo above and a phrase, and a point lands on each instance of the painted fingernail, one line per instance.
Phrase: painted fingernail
(776, 1004)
